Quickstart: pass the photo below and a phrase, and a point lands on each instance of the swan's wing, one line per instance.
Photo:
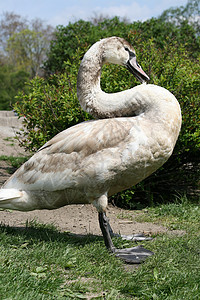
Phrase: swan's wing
(66, 157)
(89, 137)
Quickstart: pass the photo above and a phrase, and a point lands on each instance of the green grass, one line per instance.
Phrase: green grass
(10, 140)
(39, 262)
(181, 214)
(15, 162)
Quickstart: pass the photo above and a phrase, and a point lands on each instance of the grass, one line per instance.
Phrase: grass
(15, 162)
(10, 140)
(180, 214)
(39, 262)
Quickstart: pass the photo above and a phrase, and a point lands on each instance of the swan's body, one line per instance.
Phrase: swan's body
(93, 160)
(96, 158)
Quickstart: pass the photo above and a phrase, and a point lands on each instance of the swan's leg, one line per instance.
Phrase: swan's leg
(101, 204)
(105, 229)
(134, 255)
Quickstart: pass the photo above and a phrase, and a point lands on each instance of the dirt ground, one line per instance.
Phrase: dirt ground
(77, 219)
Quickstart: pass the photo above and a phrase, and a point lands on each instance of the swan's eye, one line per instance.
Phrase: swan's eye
(131, 53)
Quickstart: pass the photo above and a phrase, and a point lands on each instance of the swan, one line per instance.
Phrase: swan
(133, 134)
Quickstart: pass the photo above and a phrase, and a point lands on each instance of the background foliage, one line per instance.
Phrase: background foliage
(168, 49)
(50, 106)
(23, 47)
(10, 83)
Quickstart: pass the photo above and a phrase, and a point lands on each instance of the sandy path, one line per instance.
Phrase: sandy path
(9, 125)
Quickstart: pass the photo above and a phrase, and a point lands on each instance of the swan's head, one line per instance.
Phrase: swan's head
(120, 52)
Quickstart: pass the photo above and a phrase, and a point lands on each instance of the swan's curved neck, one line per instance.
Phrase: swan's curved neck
(152, 102)
(96, 102)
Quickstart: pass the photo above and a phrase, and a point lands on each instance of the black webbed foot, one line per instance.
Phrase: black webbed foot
(135, 255)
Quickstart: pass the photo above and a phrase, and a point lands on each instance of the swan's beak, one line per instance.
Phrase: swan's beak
(133, 66)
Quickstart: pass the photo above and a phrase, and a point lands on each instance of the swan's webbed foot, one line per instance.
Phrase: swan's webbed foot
(138, 237)
(133, 255)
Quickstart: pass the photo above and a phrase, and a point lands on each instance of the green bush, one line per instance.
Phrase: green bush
(51, 106)
(11, 81)
(172, 68)
(82, 34)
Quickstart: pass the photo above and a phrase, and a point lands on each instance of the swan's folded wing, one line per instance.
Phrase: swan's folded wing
(66, 157)
(89, 137)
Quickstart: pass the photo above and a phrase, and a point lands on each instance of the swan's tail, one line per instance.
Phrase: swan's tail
(13, 199)
(6, 194)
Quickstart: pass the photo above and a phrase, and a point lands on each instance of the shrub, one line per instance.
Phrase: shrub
(82, 34)
(11, 81)
(51, 106)
(79, 35)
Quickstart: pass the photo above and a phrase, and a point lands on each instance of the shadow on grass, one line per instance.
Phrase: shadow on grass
(40, 232)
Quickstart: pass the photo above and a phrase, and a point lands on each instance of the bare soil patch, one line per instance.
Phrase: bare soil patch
(9, 126)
